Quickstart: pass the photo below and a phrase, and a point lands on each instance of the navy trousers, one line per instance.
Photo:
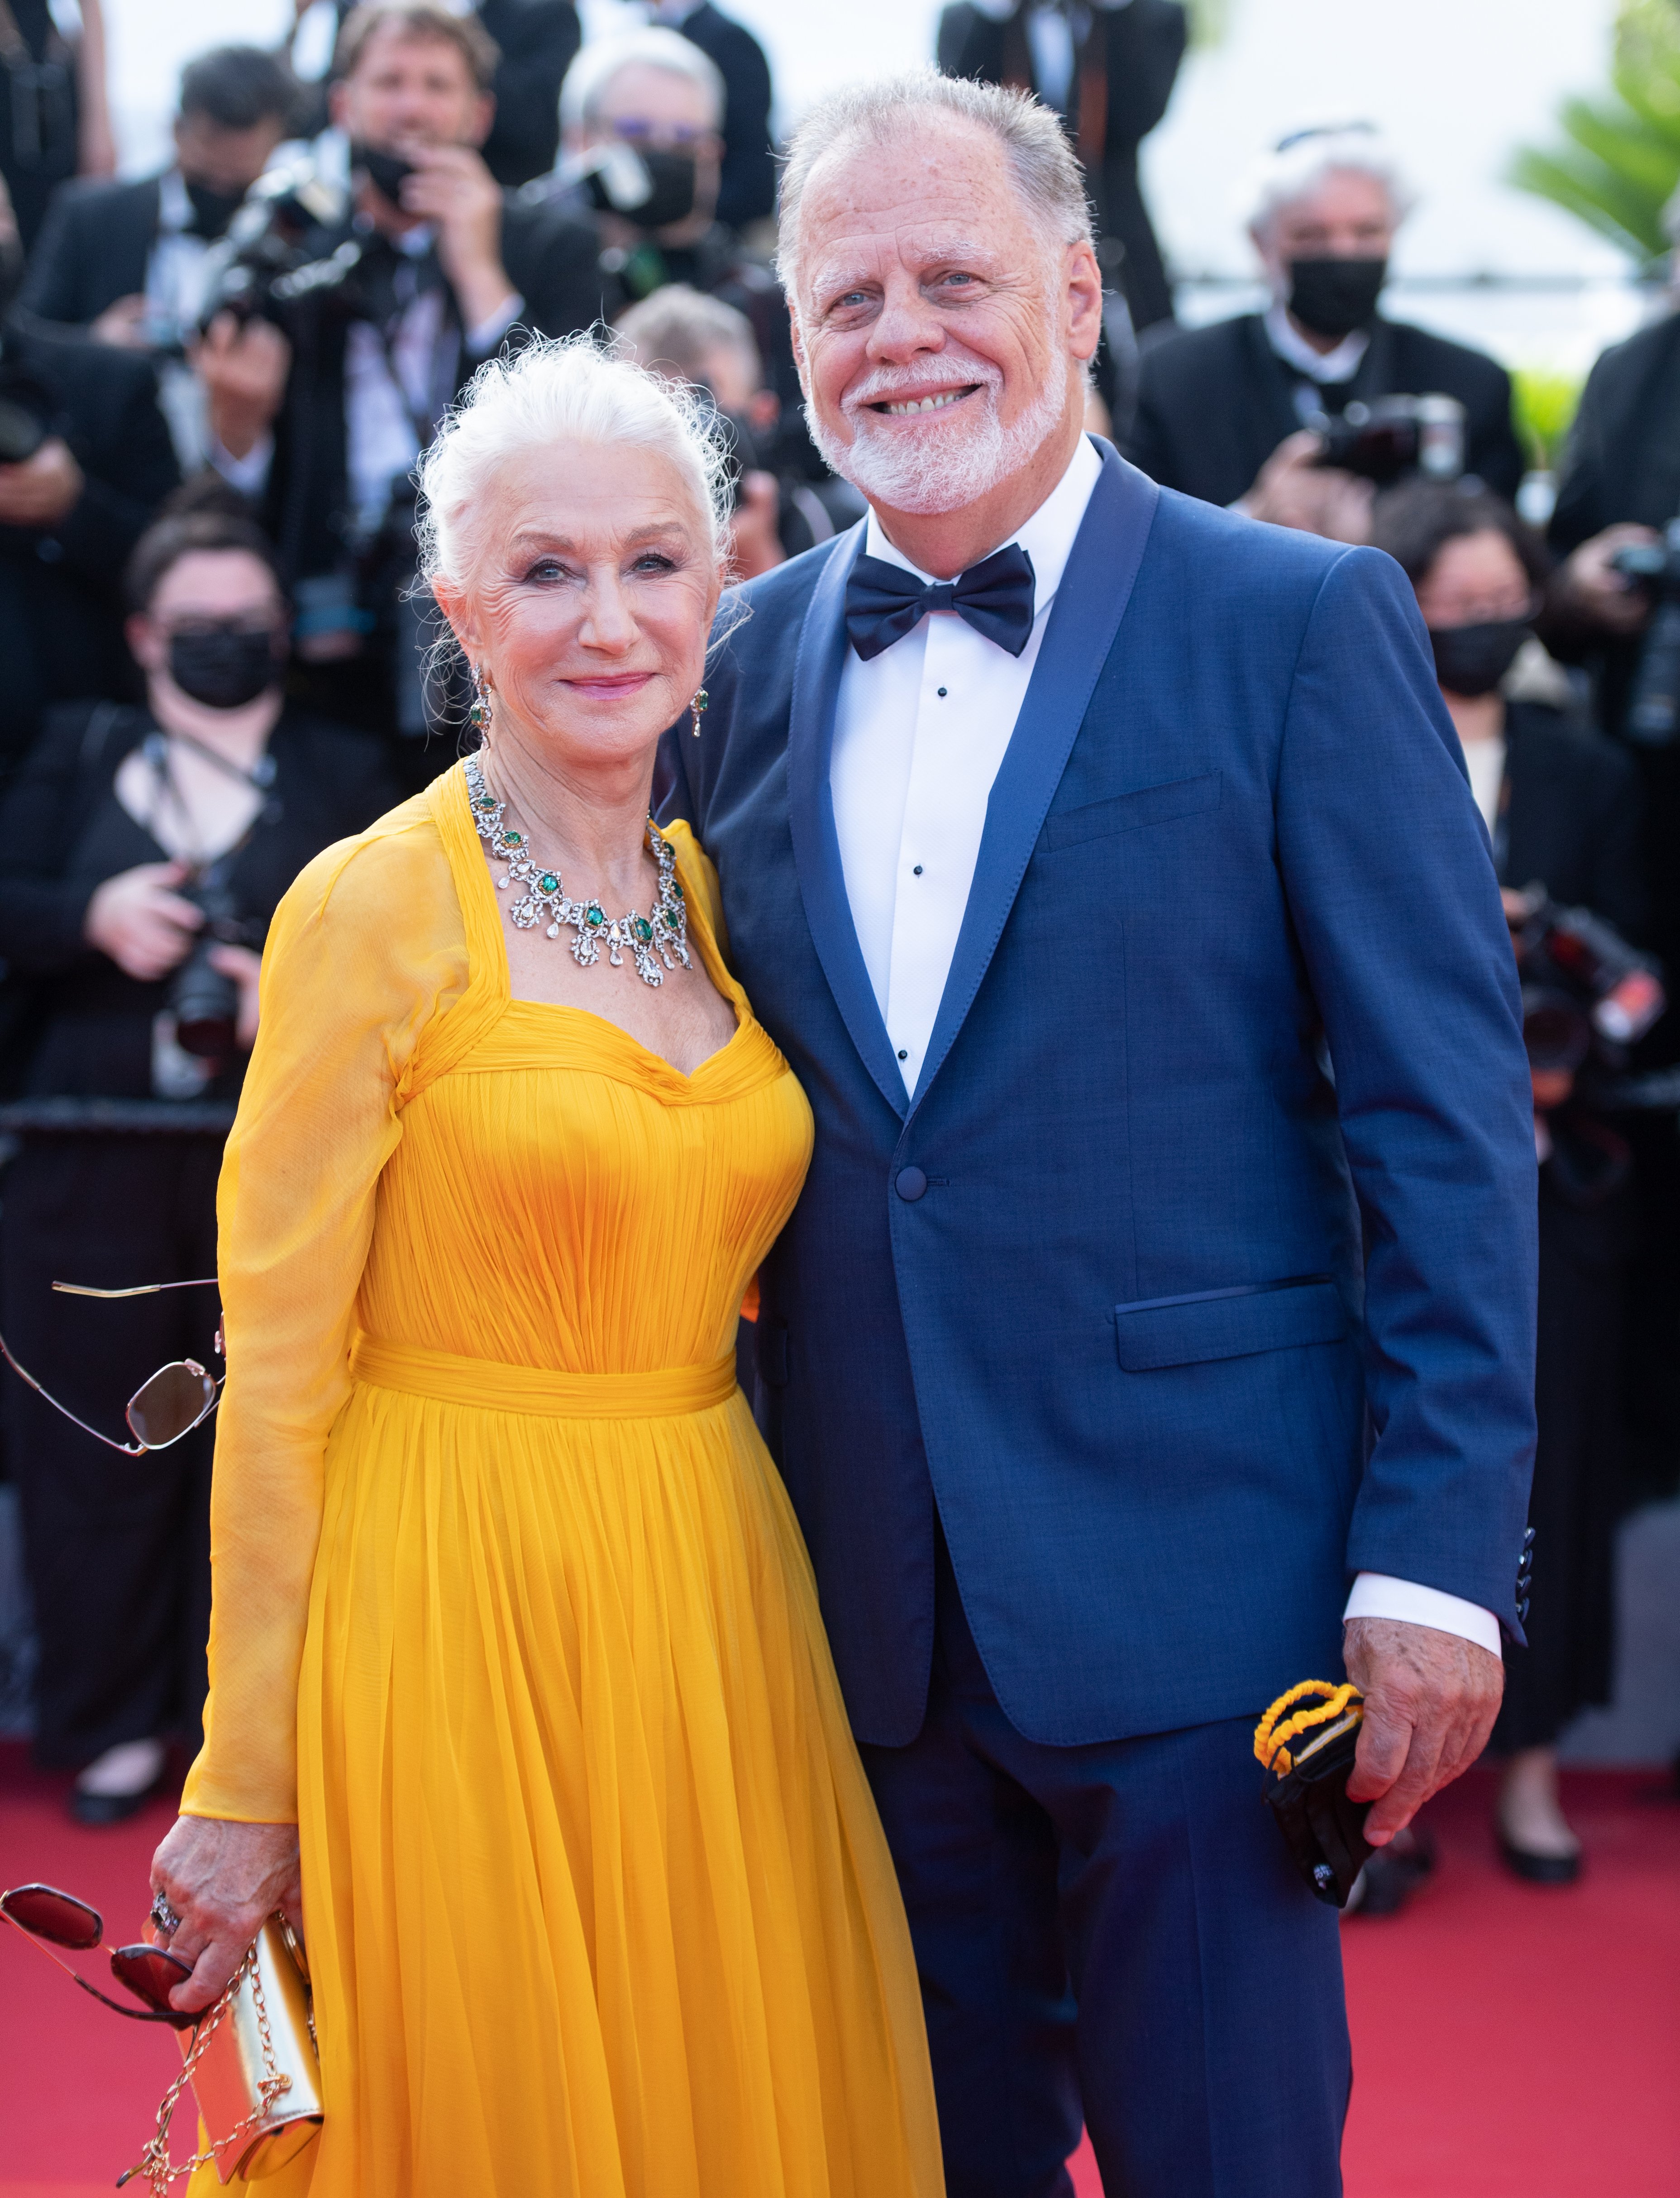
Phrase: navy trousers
(1114, 1933)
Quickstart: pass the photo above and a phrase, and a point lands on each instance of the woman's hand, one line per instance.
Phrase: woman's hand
(223, 1880)
(246, 968)
(141, 922)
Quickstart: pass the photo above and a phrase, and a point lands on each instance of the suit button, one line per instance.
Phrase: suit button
(910, 1184)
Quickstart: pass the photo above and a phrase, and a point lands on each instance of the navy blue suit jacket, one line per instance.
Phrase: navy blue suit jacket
(1187, 1325)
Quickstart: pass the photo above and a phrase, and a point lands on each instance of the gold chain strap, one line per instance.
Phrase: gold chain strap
(155, 2162)
(1274, 1730)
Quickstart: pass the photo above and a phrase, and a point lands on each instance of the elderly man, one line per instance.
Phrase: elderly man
(1223, 411)
(1157, 1319)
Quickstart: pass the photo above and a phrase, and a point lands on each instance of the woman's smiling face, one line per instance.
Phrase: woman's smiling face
(589, 600)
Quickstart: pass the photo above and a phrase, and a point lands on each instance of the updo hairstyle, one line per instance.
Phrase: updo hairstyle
(570, 391)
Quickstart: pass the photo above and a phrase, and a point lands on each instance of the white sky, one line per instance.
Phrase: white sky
(1458, 83)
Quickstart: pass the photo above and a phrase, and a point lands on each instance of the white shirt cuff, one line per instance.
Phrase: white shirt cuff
(1377, 1595)
(248, 475)
(483, 339)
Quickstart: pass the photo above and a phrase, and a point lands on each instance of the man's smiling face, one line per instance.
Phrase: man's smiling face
(934, 318)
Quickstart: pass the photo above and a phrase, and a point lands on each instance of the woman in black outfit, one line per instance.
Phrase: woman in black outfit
(124, 826)
(1562, 809)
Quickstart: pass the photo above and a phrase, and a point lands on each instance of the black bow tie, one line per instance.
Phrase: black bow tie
(883, 603)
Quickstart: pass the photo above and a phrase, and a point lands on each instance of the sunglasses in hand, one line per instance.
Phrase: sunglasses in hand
(50, 1918)
(170, 1404)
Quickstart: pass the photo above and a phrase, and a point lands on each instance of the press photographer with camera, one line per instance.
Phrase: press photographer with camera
(350, 343)
(143, 851)
(1256, 411)
(642, 159)
(1562, 809)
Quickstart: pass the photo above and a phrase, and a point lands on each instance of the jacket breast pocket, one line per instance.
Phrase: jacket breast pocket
(1126, 812)
(1228, 1323)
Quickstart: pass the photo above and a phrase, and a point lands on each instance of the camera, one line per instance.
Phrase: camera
(1587, 995)
(1394, 436)
(205, 1002)
(263, 267)
(1653, 704)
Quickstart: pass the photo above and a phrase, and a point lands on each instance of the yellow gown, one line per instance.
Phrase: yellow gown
(511, 1611)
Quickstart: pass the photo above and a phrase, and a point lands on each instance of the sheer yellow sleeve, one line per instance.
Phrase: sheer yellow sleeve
(365, 950)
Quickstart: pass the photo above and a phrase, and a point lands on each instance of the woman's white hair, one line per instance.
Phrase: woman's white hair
(1299, 164)
(572, 391)
(1041, 160)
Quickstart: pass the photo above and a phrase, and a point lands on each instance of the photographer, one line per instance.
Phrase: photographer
(1562, 810)
(687, 337)
(657, 95)
(320, 406)
(143, 851)
(1229, 413)
(84, 462)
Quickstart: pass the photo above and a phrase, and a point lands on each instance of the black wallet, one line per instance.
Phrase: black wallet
(1325, 1830)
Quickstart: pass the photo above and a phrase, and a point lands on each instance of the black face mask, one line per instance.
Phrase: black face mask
(1473, 659)
(223, 666)
(386, 172)
(212, 210)
(663, 195)
(1334, 297)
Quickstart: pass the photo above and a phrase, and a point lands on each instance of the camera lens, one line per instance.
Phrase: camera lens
(206, 1007)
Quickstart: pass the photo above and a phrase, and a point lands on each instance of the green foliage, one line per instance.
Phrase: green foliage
(1544, 405)
(1621, 163)
(1209, 20)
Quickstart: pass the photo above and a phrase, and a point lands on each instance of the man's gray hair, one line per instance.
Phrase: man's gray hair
(652, 48)
(1301, 163)
(682, 329)
(877, 113)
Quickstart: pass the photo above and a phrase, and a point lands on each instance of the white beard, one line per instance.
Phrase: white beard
(930, 472)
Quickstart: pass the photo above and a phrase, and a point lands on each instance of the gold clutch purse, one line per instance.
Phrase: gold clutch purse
(254, 2069)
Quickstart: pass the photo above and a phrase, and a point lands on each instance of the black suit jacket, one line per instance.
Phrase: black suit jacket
(1123, 78)
(1573, 817)
(61, 607)
(1622, 459)
(1213, 403)
(538, 41)
(92, 250)
(748, 192)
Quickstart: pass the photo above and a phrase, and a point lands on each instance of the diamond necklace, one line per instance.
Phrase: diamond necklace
(660, 936)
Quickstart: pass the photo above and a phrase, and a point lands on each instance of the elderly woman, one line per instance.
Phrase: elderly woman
(519, 1691)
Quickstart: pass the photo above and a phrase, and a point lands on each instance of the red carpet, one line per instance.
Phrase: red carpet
(1508, 2042)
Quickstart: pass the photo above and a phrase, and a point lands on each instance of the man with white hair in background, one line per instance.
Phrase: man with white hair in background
(654, 93)
(1125, 1365)
(1224, 412)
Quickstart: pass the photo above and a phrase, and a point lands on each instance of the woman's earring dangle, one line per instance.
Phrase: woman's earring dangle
(478, 716)
(694, 708)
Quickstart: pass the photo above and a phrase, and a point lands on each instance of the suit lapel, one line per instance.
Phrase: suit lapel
(811, 810)
(1083, 621)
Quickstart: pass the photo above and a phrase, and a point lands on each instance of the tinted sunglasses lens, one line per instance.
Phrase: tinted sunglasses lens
(151, 1974)
(170, 1404)
(53, 1915)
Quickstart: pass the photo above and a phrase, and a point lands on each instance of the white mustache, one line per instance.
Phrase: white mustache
(882, 391)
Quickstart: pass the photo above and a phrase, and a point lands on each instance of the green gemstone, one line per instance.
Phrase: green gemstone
(642, 928)
(549, 881)
(484, 801)
(594, 915)
(513, 839)
(676, 887)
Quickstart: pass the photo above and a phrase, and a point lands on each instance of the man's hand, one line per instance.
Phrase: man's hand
(452, 189)
(1430, 1703)
(123, 325)
(243, 370)
(246, 968)
(1292, 489)
(1591, 587)
(39, 492)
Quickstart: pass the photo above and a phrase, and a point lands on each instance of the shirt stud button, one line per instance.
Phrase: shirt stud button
(943, 692)
(917, 871)
(903, 1055)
